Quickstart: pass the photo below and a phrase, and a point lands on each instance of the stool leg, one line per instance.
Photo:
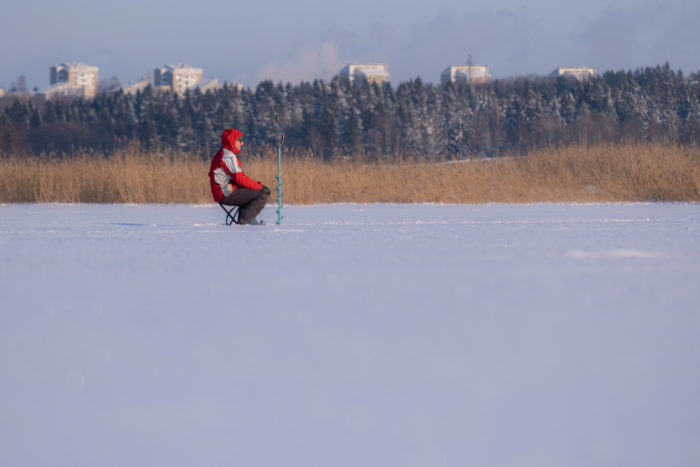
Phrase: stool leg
(230, 218)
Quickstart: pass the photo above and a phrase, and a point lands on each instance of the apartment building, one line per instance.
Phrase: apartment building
(177, 78)
(372, 73)
(579, 73)
(72, 79)
(465, 74)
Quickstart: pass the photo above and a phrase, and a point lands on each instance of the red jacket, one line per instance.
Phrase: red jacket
(225, 172)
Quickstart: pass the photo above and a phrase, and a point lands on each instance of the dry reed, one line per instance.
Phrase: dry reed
(642, 172)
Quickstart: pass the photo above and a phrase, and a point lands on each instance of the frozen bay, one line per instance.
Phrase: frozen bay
(387, 334)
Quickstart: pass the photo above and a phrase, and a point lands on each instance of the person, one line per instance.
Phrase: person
(232, 187)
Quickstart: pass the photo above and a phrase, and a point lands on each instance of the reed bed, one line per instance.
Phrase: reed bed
(605, 173)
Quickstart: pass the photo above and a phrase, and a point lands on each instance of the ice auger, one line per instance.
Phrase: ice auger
(279, 177)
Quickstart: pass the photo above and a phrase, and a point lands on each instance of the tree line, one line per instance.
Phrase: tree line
(336, 119)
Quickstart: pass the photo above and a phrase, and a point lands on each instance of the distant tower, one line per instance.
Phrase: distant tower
(78, 78)
(177, 78)
(579, 73)
(468, 73)
(372, 73)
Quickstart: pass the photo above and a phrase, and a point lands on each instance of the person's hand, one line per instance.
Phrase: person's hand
(265, 190)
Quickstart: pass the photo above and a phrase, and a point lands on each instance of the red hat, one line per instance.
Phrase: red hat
(229, 138)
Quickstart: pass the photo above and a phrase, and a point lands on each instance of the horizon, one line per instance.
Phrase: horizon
(392, 82)
(313, 40)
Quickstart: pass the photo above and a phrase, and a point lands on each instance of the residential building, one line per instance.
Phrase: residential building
(177, 78)
(73, 79)
(2, 93)
(580, 73)
(372, 73)
(466, 74)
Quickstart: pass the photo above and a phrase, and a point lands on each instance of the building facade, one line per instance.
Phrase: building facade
(177, 78)
(465, 74)
(372, 73)
(580, 73)
(73, 79)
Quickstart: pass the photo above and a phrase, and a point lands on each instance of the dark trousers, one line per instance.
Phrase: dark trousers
(251, 202)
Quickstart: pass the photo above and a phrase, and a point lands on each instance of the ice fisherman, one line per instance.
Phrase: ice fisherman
(230, 186)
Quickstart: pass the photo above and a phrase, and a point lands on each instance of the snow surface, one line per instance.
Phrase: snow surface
(350, 335)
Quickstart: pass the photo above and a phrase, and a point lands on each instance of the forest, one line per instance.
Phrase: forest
(333, 120)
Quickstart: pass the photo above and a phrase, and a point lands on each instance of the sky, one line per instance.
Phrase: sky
(246, 42)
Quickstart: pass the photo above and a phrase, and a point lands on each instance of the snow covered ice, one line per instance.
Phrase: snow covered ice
(350, 335)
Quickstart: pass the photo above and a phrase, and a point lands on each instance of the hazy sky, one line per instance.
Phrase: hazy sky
(292, 41)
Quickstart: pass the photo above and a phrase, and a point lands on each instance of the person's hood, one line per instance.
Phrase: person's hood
(229, 137)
